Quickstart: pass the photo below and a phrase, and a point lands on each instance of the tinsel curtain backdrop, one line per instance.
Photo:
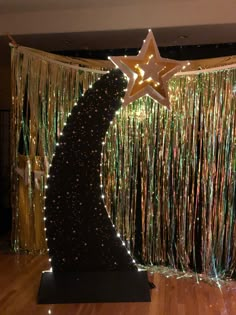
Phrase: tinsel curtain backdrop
(169, 176)
(44, 90)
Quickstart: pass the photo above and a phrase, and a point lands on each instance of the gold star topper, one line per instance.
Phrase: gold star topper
(148, 73)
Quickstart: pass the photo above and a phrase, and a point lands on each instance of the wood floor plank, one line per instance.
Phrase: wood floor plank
(20, 277)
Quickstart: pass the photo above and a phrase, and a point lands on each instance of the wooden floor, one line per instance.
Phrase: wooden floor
(19, 282)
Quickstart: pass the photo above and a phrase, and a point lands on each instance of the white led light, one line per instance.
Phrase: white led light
(118, 234)
(149, 30)
(57, 143)
(75, 103)
(49, 312)
(90, 86)
(44, 218)
(123, 243)
(44, 208)
(61, 133)
(128, 252)
(48, 176)
(133, 261)
(50, 259)
(64, 123)
(102, 196)
(46, 239)
(46, 186)
(109, 57)
(45, 229)
(103, 143)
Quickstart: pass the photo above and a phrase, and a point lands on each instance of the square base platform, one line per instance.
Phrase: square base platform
(93, 287)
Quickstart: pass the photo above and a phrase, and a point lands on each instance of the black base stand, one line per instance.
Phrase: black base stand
(93, 287)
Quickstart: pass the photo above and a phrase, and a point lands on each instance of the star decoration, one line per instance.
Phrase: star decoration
(148, 73)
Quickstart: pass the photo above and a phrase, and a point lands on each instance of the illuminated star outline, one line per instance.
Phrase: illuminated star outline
(148, 73)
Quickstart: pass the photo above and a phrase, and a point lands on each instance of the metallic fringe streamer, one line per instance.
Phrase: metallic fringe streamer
(43, 94)
(169, 176)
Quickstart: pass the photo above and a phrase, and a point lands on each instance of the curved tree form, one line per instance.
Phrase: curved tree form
(80, 235)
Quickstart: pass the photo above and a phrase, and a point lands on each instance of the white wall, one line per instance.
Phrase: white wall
(109, 15)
